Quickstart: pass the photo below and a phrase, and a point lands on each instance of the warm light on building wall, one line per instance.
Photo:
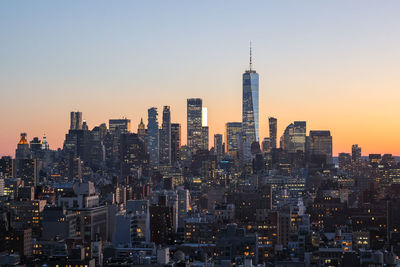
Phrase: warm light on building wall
(204, 117)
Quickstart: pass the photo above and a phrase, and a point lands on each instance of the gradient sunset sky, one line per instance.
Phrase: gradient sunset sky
(334, 64)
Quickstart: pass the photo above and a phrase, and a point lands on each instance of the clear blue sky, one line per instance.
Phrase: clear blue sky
(318, 61)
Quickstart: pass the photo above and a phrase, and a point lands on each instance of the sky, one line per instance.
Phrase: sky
(334, 64)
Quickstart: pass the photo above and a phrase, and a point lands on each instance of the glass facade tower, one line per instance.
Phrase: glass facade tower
(194, 123)
(320, 144)
(175, 142)
(165, 137)
(273, 122)
(153, 137)
(250, 106)
(250, 124)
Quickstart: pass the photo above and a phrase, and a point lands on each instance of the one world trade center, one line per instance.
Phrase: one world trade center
(249, 111)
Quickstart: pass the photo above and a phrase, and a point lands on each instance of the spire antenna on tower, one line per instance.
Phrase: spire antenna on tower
(251, 63)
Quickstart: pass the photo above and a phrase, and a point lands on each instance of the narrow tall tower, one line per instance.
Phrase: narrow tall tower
(153, 137)
(194, 123)
(273, 122)
(165, 137)
(76, 121)
(250, 109)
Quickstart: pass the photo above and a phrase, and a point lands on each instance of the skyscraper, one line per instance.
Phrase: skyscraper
(141, 131)
(320, 145)
(6, 167)
(24, 166)
(153, 137)
(273, 124)
(23, 151)
(45, 144)
(76, 143)
(249, 110)
(344, 161)
(266, 144)
(133, 154)
(218, 146)
(175, 142)
(204, 129)
(294, 137)
(194, 123)
(204, 116)
(165, 138)
(355, 154)
(119, 125)
(204, 138)
(76, 121)
(233, 137)
(36, 147)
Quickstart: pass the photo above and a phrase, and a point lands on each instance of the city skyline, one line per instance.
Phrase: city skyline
(196, 134)
(339, 79)
(134, 128)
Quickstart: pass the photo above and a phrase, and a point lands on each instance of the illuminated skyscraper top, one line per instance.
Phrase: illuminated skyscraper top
(76, 120)
(250, 107)
(194, 123)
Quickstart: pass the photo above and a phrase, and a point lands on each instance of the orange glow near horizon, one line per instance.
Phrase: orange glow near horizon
(368, 128)
(333, 64)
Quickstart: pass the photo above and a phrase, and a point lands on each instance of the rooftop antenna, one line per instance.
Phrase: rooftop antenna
(251, 63)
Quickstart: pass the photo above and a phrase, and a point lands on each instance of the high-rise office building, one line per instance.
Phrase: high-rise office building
(194, 123)
(320, 145)
(96, 146)
(266, 145)
(74, 170)
(165, 137)
(24, 166)
(233, 137)
(204, 120)
(45, 144)
(250, 110)
(119, 125)
(77, 143)
(76, 121)
(273, 124)
(141, 130)
(133, 154)
(344, 161)
(356, 154)
(85, 126)
(294, 137)
(183, 206)
(161, 222)
(23, 151)
(153, 137)
(218, 146)
(140, 220)
(204, 130)
(204, 138)
(175, 142)
(36, 147)
(6, 166)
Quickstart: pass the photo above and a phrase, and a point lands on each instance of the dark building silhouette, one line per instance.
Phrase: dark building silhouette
(165, 138)
(161, 222)
(175, 142)
(273, 125)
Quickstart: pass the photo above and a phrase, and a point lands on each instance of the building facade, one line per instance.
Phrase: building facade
(273, 124)
(153, 137)
(194, 123)
(165, 137)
